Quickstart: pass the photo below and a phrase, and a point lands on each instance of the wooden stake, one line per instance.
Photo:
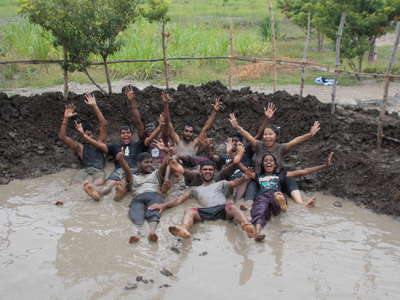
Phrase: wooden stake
(338, 40)
(274, 79)
(386, 87)
(66, 90)
(231, 59)
(305, 54)
(164, 47)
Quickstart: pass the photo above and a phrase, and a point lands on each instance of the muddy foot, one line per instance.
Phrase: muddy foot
(92, 193)
(250, 230)
(311, 202)
(260, 237)
(134, 239)
(179, 231)
(281, 201)
(152, 237)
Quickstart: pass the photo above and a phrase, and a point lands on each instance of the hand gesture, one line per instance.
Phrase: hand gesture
(69, 111)
(90, 99)
(239, 153)
(229, 146)
(270, 110)
(233, 121)
(120, 154)
(164, 97)
(329, 160)
(157, 206)
(78, 126)
(315, 128)
(217, 105)
(249, 173)
(160, 145)
(130, 94)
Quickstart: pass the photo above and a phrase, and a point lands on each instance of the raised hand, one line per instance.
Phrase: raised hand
(78, 126)
(249, 173)
(217, 105)
(69, 111)
(315, 128)
(233, 121)
(160, 145)
(270, 110)
(164, 97)
(130, 94)
(329, 160)
(120, 154)
(229, 146)
(240, 150)
(90, 99)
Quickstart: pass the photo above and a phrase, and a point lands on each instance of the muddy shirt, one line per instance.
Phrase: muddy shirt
(186, 149)
(279, 150)
(270, 182)
(146, 183)
(92, 157)
(212, 194)
(193, 178)
(131, 152)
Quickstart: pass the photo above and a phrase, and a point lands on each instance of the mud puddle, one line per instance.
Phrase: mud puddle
(81, 251)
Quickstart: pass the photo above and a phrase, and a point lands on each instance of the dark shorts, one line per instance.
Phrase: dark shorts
(119, 174)
(289, 185)
(213, 213)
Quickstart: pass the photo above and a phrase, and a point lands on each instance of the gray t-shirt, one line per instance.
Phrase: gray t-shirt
(146, 183)
(279, 150)
(212, 194)
(186, 149)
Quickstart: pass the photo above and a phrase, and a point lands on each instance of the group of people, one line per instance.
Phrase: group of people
(156, 162)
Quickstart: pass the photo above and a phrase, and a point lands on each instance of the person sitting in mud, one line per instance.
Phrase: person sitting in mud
(131, 148)
(269, 144)
(92, 158)
(212, 196)
(145, 186)
(270, 199)
(187, 146)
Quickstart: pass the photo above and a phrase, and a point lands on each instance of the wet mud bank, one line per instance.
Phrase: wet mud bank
(29, 146)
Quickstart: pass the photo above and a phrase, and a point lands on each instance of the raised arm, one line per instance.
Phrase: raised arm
(305, 137)
(62, 135)
(312, 169)
(100, 145)
(210, 121)
(124, 166)
(169, 204)
(269, 112)
(156, 132)
(243, 132)
(229, 168)
(90, 100)
(135, 113)
(248, 175)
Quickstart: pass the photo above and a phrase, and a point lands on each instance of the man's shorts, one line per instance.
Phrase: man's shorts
(119, 174)
(213, 213)
(95, 173)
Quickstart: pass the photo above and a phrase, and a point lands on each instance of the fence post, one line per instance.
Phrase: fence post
(338, 39)
(273, 46)
(386, 87)
(231, 61)
(305, 54)
(66, 90)
(165, 36)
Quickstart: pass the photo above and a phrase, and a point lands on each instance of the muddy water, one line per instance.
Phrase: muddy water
(80, 251)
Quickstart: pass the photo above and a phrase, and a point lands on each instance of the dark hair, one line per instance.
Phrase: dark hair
(206, 163)
(142, 156)
(188, 124)
(150, 123)
(262, 162)
(275, 129)
(125, 127)
(87, 127)
(236, 135)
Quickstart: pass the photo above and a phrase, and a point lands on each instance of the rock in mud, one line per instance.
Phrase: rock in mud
(166, 272)
(337, 204)
(130, 286)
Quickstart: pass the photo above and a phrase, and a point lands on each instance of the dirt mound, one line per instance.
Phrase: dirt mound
(29, 145)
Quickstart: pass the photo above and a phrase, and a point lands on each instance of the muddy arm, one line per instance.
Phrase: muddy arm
(124, 166)
(249, 174)
(244, 133)
(268, 113)
(210, 121)
(311, 170)
(169, 204)
(135, 113)
(62, 135)
(99, 145)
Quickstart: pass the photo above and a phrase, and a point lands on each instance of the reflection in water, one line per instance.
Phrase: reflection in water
(81, 250)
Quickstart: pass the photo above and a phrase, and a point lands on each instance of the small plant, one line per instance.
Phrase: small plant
(266, 29)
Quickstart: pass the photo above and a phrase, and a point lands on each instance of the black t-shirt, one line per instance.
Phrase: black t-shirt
(132, 150)
(92, 157)
(271, 182)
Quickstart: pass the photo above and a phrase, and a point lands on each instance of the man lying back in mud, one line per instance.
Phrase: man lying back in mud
(212, 196)
(145, 186)
(131, 151)
(186, 145)
(92, 158)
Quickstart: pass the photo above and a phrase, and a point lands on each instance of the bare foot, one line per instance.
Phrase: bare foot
(260, 237)
(166, 186)
(91, 192)
(119, 191)
(281, 201)
(311, 202)
(152, 237)
(179, 231)
(250, 230)
(134, 239)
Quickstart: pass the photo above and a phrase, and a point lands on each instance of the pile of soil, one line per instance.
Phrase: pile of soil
(29, 145)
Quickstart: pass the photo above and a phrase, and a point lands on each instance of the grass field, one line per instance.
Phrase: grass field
(198, 28)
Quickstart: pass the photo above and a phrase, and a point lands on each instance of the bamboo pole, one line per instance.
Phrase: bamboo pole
(66, 90)
(386, 87)
(164, 36)
(272, 19)
(338, 40)
(231, 56)
(305, 55)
